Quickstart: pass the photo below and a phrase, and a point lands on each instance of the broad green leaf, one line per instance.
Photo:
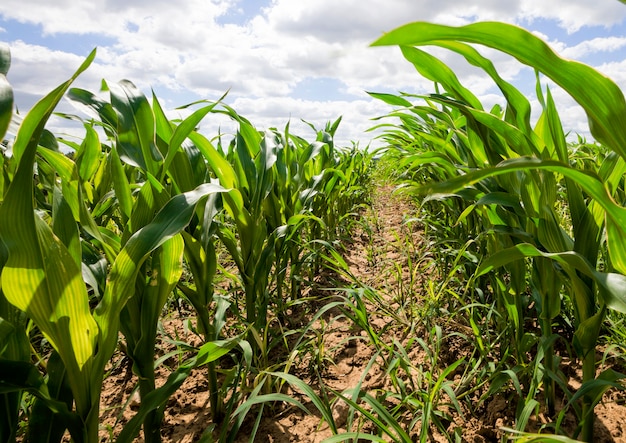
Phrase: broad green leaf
(529, 409)
(518, 141)
(121, 185)
(170, 220)
(88, 157)
(40, 276)
(64, 226)
(42, 279)
(391, 99)
(73, 195)
(44, 425)
(590, 183)
(587, 332)
(147, 203)
(612, 285)
(96, 107)
(218, 164)
(165, 272)
(322, 406)
(607, 117)
(6, 105)
(183, 130)
(380, 414)
(437, 71)
(21, 375)
(5, 58)
(136, 127)
(517, 103)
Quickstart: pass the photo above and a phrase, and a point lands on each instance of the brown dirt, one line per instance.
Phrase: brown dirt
(377, 257)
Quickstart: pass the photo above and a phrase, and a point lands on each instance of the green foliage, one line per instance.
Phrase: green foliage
(100, 241)
(541, 214)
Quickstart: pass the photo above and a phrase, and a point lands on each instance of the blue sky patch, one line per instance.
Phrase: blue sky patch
(66, 42)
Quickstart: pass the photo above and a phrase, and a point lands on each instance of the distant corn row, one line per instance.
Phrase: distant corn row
(100, 240)
(536, 221)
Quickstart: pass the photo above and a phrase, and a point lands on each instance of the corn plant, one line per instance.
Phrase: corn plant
(13, 336)
(179, 165)
(41, 276)
(531, 166)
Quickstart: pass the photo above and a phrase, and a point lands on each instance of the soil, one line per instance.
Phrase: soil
(377, 256)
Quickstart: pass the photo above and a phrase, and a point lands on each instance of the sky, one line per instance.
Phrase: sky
(284, 61)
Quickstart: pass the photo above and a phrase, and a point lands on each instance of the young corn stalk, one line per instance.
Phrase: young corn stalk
(246, 170)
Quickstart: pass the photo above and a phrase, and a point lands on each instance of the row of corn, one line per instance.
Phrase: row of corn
(94, 245)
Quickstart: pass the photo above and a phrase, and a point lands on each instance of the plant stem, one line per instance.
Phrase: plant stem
(589, 373)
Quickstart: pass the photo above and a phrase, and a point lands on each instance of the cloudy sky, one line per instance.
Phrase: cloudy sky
(285, 60)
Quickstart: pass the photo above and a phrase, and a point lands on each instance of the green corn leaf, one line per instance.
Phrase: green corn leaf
(607, 117)
(435, 70)
(529, 408)
(121, 185)
(517, 103)
(73, 195)
(170, 220)
(5, 58)
(40, 276)
(391, 99)
(42, 279)
(590, 183)
(322, 406)
(64, 226)
(596, 388)
(20, 375)
(148, 202)
(587, 332)
(17, 375)
(88, 157)
(183, 130)
(380, 415)
(518, 141)
(6, 92)
(615, 235)
(218, 164)
(96, 107)
(166, 270)
(612, 285)
(434, 391)
(521, 437)
(136, 128)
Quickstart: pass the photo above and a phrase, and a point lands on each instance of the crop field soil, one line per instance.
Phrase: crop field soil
(390, 245)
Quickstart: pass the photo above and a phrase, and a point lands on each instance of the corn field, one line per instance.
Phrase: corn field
(521, 261)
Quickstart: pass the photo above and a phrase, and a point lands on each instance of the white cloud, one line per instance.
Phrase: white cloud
(365, 20)
(187, 49)
(616, 71)
(599, 44)
(574, 14)
(111, 17)
(37, 70)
